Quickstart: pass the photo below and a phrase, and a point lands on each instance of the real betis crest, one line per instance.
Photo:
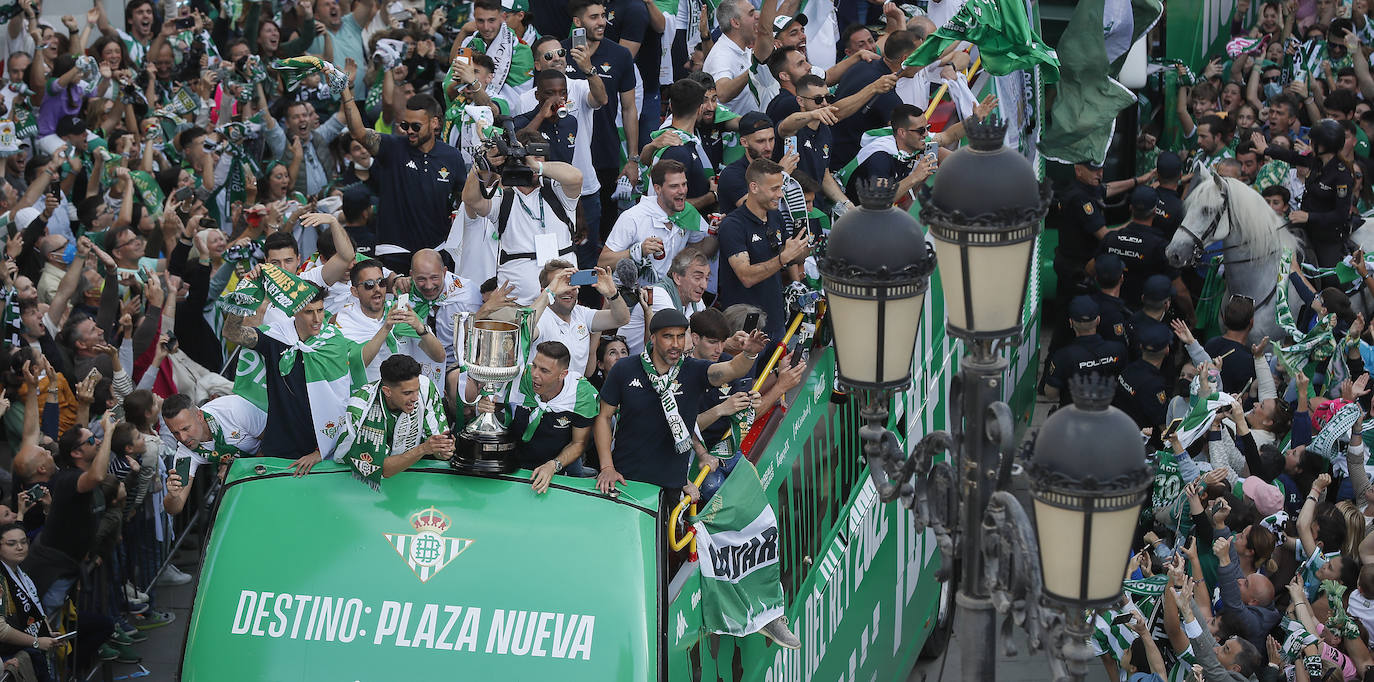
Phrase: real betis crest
(427, 551)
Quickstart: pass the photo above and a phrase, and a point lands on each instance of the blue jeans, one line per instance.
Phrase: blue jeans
(56, 594)
(650, 117)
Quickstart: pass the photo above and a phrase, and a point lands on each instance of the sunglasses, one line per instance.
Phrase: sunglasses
(92, 440)
(131, 240)
(1270, 79)
(554, 53)
(919, 131)
(821, 99)
(407, 126)
(370, 284)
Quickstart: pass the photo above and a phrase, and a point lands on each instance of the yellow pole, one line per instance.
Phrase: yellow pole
(944, 87)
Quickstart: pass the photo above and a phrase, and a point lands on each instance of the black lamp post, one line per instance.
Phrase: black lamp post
(984, 212)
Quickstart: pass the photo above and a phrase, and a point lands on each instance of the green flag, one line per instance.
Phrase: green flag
(285, 290)
(148, 191)
(737, 535)
(1093, 48)
(1003, 34)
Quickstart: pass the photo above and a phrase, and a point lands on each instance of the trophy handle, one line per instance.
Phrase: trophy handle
(460, 348)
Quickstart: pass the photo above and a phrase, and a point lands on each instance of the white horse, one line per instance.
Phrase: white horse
(1253, 240)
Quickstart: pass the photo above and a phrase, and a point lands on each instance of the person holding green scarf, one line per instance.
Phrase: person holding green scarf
(552, 412)
(218, 431)
(393, 423)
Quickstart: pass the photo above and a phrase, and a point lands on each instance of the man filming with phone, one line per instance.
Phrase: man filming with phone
(559, 317)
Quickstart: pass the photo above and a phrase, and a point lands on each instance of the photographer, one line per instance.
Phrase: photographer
(539, 229)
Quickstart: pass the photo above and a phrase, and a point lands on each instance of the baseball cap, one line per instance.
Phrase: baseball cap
(753, 122)
(668, 317)
(71, 125)
(1169, 165)
(1154, 337)
(1144, 197)
(1083, 309)
(1109, 266)
(1267, 498)
(1157, 288)
(781, 21)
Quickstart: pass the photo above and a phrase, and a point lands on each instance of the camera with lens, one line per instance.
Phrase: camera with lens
(514, 171)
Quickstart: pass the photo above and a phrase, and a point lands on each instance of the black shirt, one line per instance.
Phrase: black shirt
(1142, 393)
(875, 114)
(813, 150)
(1168, 212)
(629, 20)
(877, 165)
(289, 432)
(418, 192)
(743, 232)
(1328, 194)
(686, 154)
(364, 238)
(643, 449)
(616, 69)
(731, 185)
(1236, 368)
(715, 395)
(1089, 354)
(1141, 249)
(554, 432)
(560, 133)
(1114, 315)
(73, 515)
(551, 17)
(1080, 217)
(784, 104)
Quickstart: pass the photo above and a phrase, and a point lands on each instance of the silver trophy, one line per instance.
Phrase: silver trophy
(491, 356)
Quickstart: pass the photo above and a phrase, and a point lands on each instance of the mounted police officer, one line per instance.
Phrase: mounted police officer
(1089, 352)
(1330, 189)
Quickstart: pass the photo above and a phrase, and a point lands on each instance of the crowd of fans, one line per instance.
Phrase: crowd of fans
(1255, 558)
(228, 223)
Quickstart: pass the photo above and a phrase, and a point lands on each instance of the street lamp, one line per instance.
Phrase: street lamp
(984, 213)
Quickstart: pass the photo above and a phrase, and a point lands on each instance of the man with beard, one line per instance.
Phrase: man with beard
(418, 179)
(367, 312)
(436, 296)
(652, 232)
(216, 432)
(552, 413)
(757, 135)
(576, 326)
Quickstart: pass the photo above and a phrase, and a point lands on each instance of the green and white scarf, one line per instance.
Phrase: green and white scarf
(664, 384)
(374, 432)
(333, 367)
(1316, 345)
(1117, 639)
(502, 53)
(293, 70)
(1337, 429)
(219, 451)
(285, 290)
(578, 396)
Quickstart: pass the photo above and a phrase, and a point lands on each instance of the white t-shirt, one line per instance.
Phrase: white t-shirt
(579, 107)
(728, 60)
(647, 219)
(575, 333)
(524, 230)
(360, 328)
(240, 424)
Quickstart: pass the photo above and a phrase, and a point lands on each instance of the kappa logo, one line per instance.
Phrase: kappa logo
(411, 165)
(755, 238)
(634, 383)
(427, 551)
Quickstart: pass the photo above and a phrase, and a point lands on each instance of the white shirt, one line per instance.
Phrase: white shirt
(575, 333)
(240, 423)
(648, 219)
(523, 229)
(729, 60)
(633, 331)
(359, 328)
(579, 107)
(473, 247)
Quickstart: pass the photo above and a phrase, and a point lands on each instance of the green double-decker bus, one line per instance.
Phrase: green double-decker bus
(454, 576)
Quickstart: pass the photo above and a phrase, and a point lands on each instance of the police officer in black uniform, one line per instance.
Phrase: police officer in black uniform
(1155, 314)
(1107, 270)
(1081, 223)
(1325, 209)
(1139, 245)
(1142, 391)
(1169, 210)
(1089, 352)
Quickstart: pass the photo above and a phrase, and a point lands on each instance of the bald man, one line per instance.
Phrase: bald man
(53, 248)
(1250, 598)
(437, 295)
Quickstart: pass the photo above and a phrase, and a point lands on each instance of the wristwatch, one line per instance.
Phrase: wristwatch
(557, 465)
(425, 331)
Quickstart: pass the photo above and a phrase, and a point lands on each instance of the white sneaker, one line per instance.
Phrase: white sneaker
(132, 594)
(173, 576)
(779, 633)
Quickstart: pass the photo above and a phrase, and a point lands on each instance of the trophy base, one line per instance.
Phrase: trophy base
(485, 453)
